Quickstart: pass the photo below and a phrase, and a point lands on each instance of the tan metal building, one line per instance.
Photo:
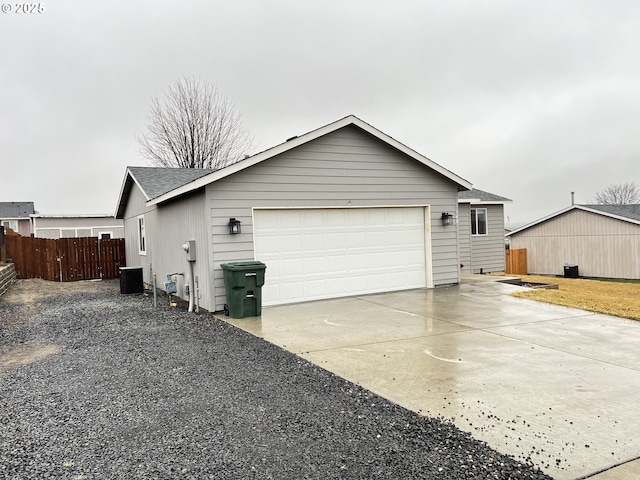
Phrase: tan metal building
(601, 240)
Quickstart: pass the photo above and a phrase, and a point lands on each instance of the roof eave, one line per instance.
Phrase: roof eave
(477, 201)
(609, 214)
(296, 142)
(68, 215)
(125, 190)
(565, 210)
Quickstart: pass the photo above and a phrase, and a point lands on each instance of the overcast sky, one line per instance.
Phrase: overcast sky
(525, 99)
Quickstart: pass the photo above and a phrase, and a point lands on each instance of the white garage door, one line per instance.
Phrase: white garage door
(323, 253)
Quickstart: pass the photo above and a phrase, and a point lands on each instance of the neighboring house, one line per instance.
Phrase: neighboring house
(15, 215)
(69, 226)
(602, 240)
(342, 210)
(481, 231)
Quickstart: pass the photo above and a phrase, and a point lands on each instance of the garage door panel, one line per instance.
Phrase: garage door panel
(323, 253)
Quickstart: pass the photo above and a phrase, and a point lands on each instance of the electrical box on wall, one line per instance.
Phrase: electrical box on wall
(190, 247)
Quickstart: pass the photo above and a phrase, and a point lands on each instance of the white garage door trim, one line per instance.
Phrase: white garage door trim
(317, 253)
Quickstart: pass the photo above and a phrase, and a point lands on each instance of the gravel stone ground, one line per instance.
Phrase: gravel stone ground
(94, 384)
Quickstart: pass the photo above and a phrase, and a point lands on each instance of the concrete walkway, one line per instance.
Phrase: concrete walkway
(555, 385)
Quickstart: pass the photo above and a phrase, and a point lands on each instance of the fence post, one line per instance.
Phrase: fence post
(2, 250)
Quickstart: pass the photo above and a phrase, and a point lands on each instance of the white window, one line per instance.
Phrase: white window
(478, 221)
(12, 224)
(142, 239)
(105, 235)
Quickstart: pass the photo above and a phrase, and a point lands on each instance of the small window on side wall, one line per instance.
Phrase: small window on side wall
(12, 224)
(142, 239)
(478, 221)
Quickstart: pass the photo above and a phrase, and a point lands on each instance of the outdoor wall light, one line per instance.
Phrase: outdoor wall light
(234, 226)
(447, 218)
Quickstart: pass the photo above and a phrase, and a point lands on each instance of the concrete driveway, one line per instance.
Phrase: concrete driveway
(556, 385)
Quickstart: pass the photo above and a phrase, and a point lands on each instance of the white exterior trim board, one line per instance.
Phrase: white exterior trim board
(474, 201)
(567, 209)
(297, 141)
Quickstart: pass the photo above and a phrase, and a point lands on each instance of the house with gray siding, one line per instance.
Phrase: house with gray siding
(481, 231)
(342, 210)
(16, 216)
(603, 241)
(72, 226)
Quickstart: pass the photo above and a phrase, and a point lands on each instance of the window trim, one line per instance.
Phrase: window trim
(142, 236)
(10, 223)
(473, 214)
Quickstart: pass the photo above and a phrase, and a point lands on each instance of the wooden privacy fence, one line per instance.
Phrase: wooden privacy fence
(66, 259)
(516, 261)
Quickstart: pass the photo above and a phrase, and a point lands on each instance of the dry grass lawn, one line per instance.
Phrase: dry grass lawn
(621, 299)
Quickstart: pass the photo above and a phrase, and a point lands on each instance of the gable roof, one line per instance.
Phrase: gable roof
(477, 196)
(292, 143)
(627, 213)
(156, 181)
(16, 209)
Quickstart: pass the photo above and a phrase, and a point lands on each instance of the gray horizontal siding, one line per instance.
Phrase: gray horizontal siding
(136, 205)
(464, 236)
(488, 250)
(167, 227)
(345, 168)
(53, 227)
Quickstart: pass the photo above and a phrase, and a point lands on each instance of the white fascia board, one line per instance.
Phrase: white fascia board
(410, 152)
(477, 201)
(607, 214)
(297, 141)
(573, 207)
(540, 220)
(135, 180)
(64, 215)
(127, 175)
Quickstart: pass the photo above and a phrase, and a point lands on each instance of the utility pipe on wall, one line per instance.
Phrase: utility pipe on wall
(190, 248)
(191, 287)
(155, 291)
(197, 296)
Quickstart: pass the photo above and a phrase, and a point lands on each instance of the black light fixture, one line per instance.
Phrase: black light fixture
(234, 226)
(447, 218)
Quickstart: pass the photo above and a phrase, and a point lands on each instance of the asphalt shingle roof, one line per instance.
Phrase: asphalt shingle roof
(628, 211)
(481, 195)
(16, 209)
(156, 181)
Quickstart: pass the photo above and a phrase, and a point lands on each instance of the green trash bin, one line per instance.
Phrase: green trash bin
(244, 281)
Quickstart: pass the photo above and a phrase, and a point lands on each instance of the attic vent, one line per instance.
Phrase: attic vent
(292, 138)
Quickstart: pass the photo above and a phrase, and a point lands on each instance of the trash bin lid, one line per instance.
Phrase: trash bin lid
(243, 266)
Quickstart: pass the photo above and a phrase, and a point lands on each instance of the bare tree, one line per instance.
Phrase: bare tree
(619, 194)
(193, 127)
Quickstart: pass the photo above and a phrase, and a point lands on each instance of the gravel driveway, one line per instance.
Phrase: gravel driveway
(94, 384)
